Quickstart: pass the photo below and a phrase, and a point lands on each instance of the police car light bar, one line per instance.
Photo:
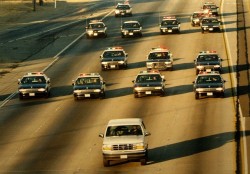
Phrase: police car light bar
(115, 48)
(35, 73)
(88, 74)
(169, 17)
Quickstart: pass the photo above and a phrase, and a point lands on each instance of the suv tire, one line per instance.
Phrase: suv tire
(106, 163)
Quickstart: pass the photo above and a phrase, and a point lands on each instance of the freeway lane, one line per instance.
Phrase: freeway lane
(59, 135)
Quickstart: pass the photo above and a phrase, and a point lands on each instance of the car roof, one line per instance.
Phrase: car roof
(29, 74)
(89, 75)
(116, 48)
(125, 121)
(149, 72)
(208, 53)
(159, 49)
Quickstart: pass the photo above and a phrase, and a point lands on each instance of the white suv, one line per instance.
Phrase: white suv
(125, 139)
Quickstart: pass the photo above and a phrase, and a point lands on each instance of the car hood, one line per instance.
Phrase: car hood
(170, 25)
(130, 139)
(113, 59)
(208, 63)
(29, 86)
(209, 85)
(158, 60)
(131, 28)
(149, 84)
(80, 87)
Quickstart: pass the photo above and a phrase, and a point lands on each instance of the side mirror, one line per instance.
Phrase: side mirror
(133, 81)
(104, 82)
(100, 56)
(73, 82)
(147, 133)
(193, 82)
(101, 135)
(19, 81)
(126, 54)
(48, 81)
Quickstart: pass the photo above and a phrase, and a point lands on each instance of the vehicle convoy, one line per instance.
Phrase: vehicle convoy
(210, 24)
(208, 61)
(96, 28)
(210, 8)
(114, 58)
(88, 85)
(170, 24)
(123, 9)
(131, 29)
(209, 84)
(159, 58)
(34, 84)
(125, 139)
(149, 83)
(196, 17)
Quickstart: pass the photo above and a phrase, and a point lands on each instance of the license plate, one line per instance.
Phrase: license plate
(131, 34)
(112, 66)
(209, 94)
(86, 95)
(31, 94)
(95, 34)
(170, 31)
(211, 29)
(123, 156)
(148, 92)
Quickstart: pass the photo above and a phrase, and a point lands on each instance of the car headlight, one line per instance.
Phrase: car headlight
(219, 89)
(106, 147)
(121, 62)
(127, 11)
(158, 87)
(217, 66)
(90, 32)
(124, 31)
(22, 90)
(136, 30)
(77, 91)
(104, 63)
(199, 89)
(168, 63)
(140, 146)
(41, 89)
(97, 90)
(200, 67)
(137, 88)
(175, 28)
(117, 11)
(101, 31)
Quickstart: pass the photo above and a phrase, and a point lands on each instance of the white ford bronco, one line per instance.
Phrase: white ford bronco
(125, 139)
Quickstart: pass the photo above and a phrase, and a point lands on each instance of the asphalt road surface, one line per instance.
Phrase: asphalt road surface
(60, 135)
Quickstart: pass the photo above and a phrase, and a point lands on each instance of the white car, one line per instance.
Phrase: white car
(125, 139)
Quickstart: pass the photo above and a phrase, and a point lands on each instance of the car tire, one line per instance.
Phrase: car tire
(143, 161)
(197, 72)
(163, 94)
(102, 96)
(197, 96)
(75, 98)
(136, 95)
(106, 163)
(20, 97)
(222, 95)
(122, 36)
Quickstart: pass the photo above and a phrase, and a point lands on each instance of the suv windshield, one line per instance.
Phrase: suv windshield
(96, 25)
(169, 22)
(88, 81)
(131, 25)
(124, 130)
(206, 21)
(148, 78)
(123, 7)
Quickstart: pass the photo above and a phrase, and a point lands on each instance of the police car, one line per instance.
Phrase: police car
(88, 85)
(196, 17)
(131, 29)
(123, 9)
(208, 84)
(96, 28)
(170, 24)
(34, 84)
(210, 8)
(210, 24)
(114, 58)
(208, 60)
(159, 58)
(149, 83)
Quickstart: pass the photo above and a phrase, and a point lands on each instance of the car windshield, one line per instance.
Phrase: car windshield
(169, 22)
(99, 25)
(210, 21)
(33, 80)
(113, 54)
(148, 78)
(159, 55)
(203, 58)
(123, 7)
(124, 130)
(88, 81)
(208, 79)
(131, 25)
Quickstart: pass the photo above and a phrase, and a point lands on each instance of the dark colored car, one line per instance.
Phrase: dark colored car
(209, 84)
(149, 83)
(96, 28)
(170, 24)
(208, 61)
(88, 85)
(131, 29)
(34, 84)
(123, 10)
(210, 24)
(114, 58)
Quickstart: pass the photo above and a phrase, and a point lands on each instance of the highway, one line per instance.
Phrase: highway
(60, 135)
